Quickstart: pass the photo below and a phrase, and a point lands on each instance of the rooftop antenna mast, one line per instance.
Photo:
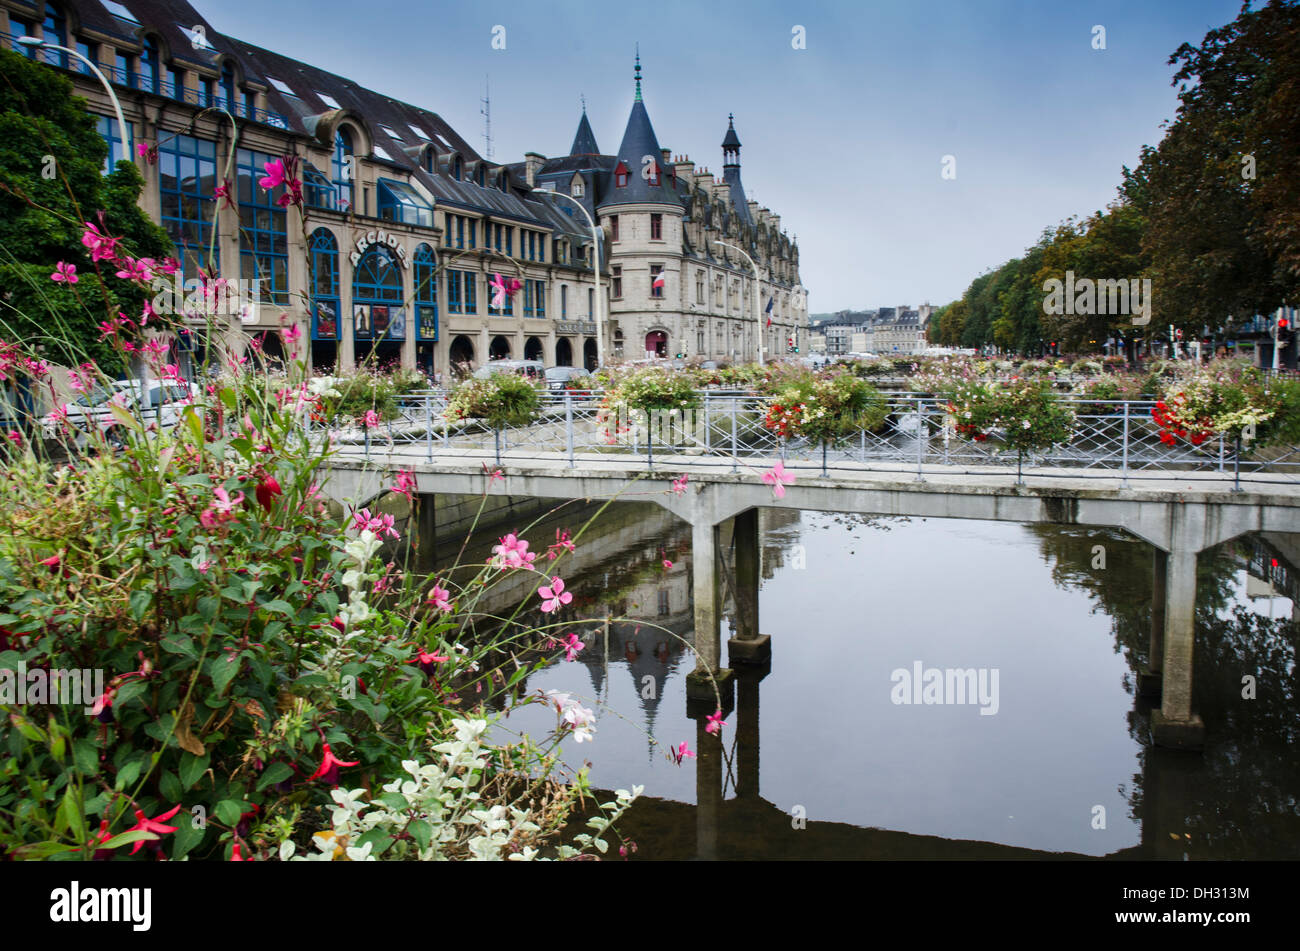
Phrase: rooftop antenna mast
(486, 113)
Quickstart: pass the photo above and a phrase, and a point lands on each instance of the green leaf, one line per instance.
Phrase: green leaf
(421, 831)
(222, 670)
(229, 811)
(187, 836)
(40, 850)
(170, 787)
(128, 774)
(140, 601)
(282, 607)
(70, 814)
(128, 692)
(86, 757)
(180, 644)
(275, 773)
(126, 838)
(380, 841)
(192, 769)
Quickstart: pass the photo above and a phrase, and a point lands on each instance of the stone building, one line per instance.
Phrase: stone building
(404, 225)
(673, 290)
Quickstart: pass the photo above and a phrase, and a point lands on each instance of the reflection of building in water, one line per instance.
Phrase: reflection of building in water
(778, 530)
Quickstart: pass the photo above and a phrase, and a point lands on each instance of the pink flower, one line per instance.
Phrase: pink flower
(222, 193)
(405, 483)
(102, 247)
(133, 270)
(64, 273)
(562, 543)
(328, 770)
(571, 644)
(147, 152)
(679, 484)
(292, 334)
(667, 564)
(714, 723)
(15, 437)
(440, 598)
(274, 175)
(502, 288)
(381, 525)
(371, 419)
(513, 553)
(778, 479)
(152, 825)
(554, 596)
(222, 510)
(428, 662)
(682, 752)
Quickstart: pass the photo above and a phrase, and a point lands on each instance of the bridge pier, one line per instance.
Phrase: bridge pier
(1149, 679)
(1174, 724)
(748, 646)
(708, 630)
(425, 520)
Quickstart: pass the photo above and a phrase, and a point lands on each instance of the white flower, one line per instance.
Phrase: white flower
(361, 854)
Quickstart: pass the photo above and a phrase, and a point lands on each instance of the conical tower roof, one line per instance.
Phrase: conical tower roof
(638, 150)
(584, 143)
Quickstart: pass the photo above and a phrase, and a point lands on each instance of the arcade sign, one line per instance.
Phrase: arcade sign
(376, 238)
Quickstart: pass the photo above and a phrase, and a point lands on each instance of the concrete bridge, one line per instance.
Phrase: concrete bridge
(1179, 517)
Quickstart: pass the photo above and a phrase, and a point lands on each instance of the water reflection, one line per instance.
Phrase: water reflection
(1065, 767)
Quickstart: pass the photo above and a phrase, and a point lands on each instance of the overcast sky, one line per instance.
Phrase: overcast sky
(844, 139)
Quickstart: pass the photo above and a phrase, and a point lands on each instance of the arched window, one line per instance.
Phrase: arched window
(376, 293)
(341, 168)
(149, 65)
(324, 285)
(228, 87)
(55, 30)
(426, 293)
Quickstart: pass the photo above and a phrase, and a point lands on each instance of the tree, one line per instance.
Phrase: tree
(51, 157)
(1221, 192)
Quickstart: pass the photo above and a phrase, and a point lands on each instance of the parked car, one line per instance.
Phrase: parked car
(558, 377)
(160, 402)
(533, 369)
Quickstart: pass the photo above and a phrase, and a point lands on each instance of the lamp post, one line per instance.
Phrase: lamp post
(34, 43)
(758, 320)
(595, 256)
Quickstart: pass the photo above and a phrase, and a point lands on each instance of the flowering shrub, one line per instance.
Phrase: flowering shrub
(1106, 390)
(365, 389)
(1023, 413)
(500, 400)
(1086, 367)
(651, 388)
(254, 650)
(1224, 398)
(825, 408)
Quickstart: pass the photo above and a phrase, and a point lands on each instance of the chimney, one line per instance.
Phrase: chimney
(684, 168)
(705, 181)
(533, 163)
(776, 223)
(723, 192)
(753, 210)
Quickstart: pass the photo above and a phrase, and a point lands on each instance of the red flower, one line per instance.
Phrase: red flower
(235, 855)
(328, 770)
(152, 825)
(266, 490)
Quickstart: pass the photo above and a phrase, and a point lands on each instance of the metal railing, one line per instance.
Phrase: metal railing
(1109, 439)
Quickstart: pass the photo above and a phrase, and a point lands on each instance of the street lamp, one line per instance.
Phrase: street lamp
(35, 43)
(758, 320)
(595, 255)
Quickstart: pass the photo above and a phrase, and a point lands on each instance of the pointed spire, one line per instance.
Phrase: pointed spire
(638, 72)
(584, 141)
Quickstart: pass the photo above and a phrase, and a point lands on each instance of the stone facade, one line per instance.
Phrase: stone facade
(404, 225)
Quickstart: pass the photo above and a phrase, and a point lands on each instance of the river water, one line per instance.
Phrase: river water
(822, 758)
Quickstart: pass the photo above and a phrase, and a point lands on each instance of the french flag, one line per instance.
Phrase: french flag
(770, 301)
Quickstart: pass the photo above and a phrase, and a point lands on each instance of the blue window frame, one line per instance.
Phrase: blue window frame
(341, 169)
(107, 126)
(124, 69)
(564, 301)
(208, 92)
(55, 30)
(426, 293)
(88, 50)
(400, 202)
(187, 174)
(263, 240)
(324, 285)
(377, 287)
(173, 85)
(318, 191)
(461, 292)
(228, 87)
(534, 298)
(507, 308)
(18, 28)
(149, 66)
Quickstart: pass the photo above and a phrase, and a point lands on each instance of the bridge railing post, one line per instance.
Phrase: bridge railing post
(920, 438)
(428, 428)
(1124, 450)
(708, 425)
(568, 424)
(735, 458)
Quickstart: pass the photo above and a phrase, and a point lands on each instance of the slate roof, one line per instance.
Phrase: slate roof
(584, 142)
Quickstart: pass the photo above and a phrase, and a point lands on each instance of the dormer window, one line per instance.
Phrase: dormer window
(430, 160)
(578, 187)
(482, 176)
(456, 168)
(620, 176)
